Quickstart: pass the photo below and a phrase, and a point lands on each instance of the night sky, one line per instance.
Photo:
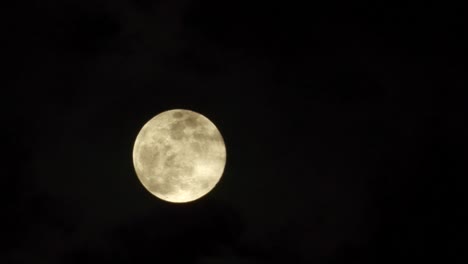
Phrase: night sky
(343, 124)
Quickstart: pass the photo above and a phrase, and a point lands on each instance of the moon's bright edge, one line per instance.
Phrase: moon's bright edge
(179, 155)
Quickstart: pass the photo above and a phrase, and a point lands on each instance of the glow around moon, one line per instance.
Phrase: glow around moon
(179, 155)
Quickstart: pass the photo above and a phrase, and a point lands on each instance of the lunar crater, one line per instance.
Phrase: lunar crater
(178, 114)
(191, 122)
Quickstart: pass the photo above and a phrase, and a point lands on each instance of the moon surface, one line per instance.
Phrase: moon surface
(179, 155)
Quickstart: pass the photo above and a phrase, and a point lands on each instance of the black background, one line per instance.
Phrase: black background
(343, 124)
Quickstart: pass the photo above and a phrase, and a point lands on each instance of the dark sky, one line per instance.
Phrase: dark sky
(343, 125)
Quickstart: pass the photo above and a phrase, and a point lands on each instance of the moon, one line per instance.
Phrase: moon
(179, 155)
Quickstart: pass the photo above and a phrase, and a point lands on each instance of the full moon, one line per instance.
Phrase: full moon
(179, 155)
